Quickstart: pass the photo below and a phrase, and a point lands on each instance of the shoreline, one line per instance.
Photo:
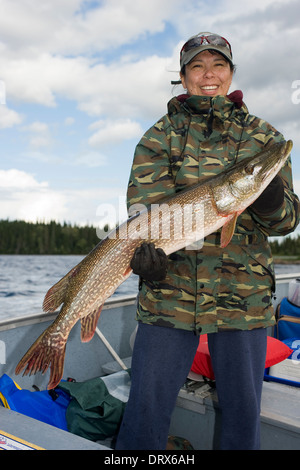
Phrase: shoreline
(284, 260)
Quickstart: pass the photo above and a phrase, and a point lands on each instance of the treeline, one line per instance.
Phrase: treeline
(20, 238)
(286, 246)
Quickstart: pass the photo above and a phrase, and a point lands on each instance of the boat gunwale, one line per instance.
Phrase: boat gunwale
(16, 322)
(112, 302)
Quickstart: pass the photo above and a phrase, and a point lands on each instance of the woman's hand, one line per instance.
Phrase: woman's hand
(149, 262)
(271, 199)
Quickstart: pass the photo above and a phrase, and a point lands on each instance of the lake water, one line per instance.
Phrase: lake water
(25, 279)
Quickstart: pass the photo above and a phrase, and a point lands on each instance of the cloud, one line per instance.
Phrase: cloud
(114, 131)
(291, 130)
(91, 159)
(119, 89)
(40, 68)
(69, 121)
(81, 26)
(75, 54)
(39, 133)
(31, 79)
(16, 179)
(36, 126)
(107, 81)
(23, 197)
(8, 117)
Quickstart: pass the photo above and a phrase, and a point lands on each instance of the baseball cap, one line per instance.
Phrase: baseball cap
(203, 42)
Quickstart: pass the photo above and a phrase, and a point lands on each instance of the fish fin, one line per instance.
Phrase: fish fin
(228, 230)
(128, 271)
(56, 294)
(48, 350)
(89, 324)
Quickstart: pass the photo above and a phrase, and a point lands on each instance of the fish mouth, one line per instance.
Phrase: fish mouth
(277, 160)
(288, 147)
(267, 165)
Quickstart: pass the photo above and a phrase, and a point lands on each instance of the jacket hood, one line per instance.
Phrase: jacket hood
(222, 106)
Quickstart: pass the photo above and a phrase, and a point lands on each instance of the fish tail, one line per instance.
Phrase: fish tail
(47, 350)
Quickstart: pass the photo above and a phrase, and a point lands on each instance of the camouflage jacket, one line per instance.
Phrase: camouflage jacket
(210, 288)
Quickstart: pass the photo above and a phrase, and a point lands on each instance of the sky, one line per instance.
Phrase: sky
(81, 81)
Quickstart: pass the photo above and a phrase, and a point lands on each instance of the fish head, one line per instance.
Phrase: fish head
(244, 182)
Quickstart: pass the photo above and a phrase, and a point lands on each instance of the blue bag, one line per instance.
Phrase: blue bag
(39, 405)
(288, 320)
(287, 330)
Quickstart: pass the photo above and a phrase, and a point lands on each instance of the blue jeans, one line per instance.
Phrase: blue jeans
(162, 358)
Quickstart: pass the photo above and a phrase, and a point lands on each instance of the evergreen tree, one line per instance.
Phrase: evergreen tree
(19, 237)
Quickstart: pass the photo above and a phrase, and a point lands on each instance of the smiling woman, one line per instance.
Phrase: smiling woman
(206, 65)
(224, 291)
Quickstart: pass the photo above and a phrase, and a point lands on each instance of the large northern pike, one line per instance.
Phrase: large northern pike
(191, 214)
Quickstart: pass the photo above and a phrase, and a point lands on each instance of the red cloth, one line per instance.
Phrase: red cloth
(277, 351)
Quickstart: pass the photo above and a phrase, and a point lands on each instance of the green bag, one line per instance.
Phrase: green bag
(97, 405)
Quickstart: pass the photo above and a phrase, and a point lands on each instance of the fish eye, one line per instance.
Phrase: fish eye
(249, 169)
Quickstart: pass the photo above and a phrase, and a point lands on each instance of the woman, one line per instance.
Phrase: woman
(225, 293)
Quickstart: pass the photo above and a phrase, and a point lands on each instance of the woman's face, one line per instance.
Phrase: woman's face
(207, 74)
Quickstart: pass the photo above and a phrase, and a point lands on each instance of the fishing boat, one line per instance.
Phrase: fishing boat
(196, 416)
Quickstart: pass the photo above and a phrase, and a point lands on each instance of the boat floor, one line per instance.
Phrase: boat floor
(197, 416)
